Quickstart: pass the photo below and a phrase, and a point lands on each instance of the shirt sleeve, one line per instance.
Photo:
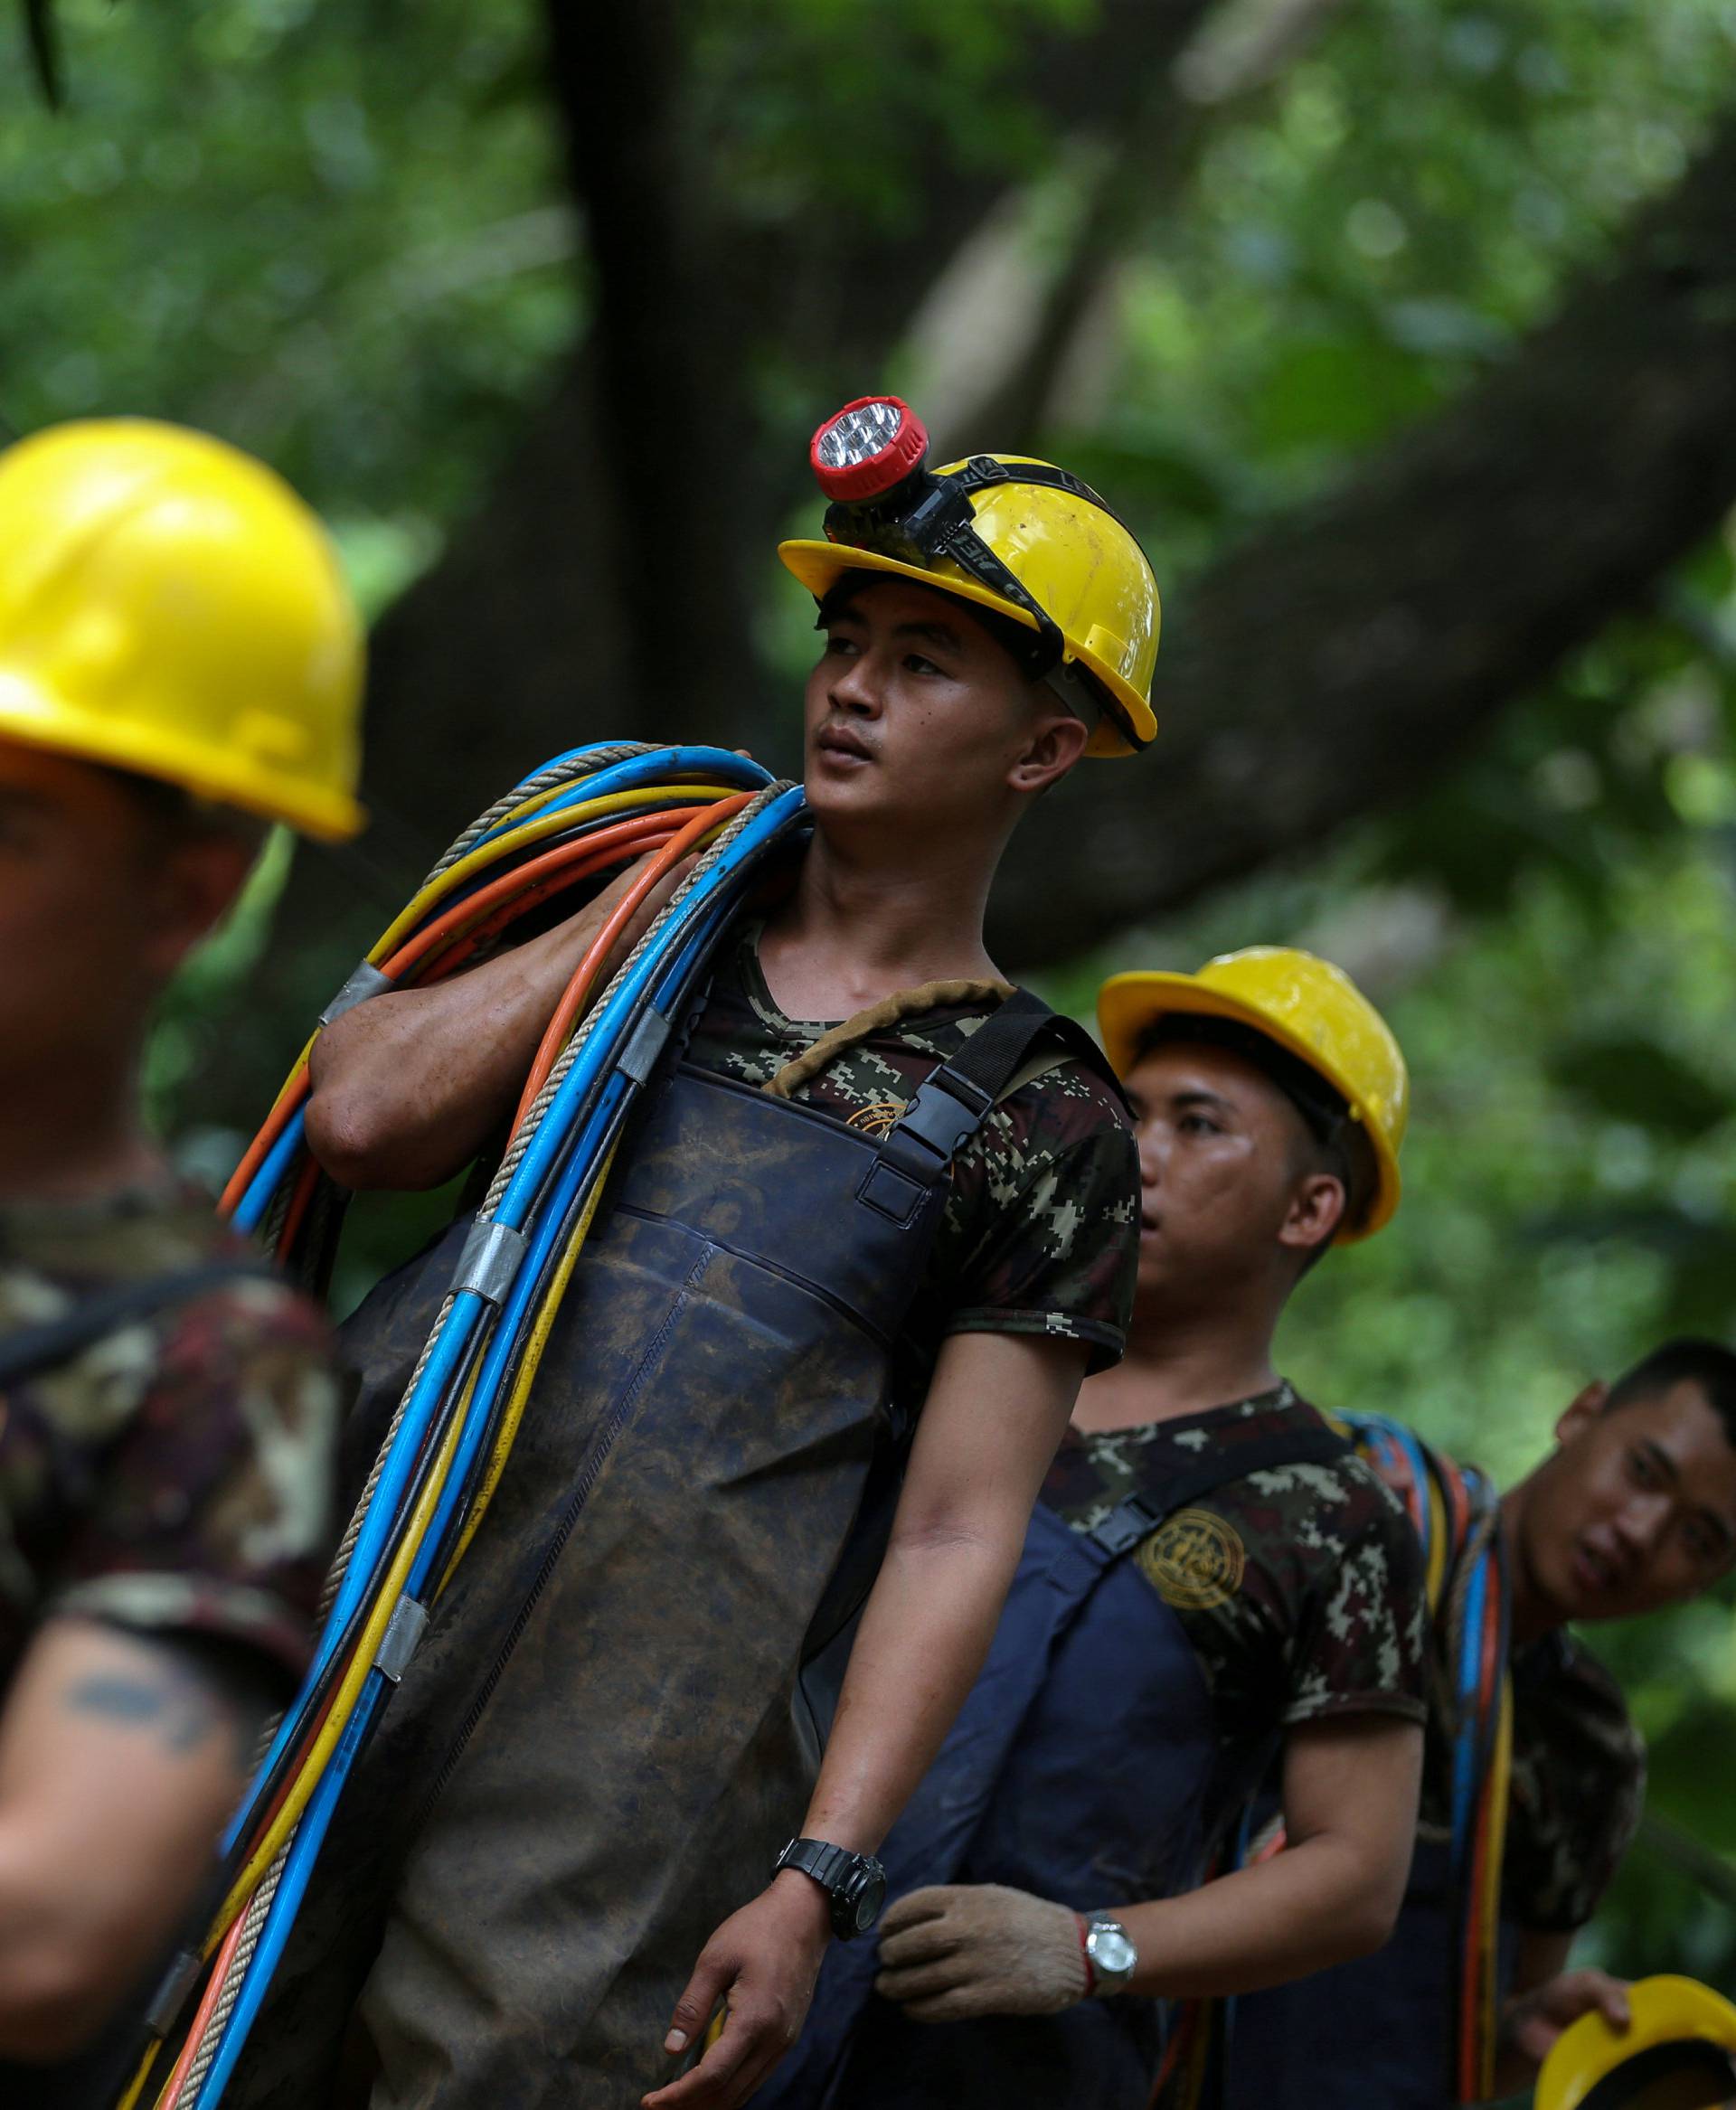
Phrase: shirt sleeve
(1361, 1644)
(211, 1513)
(1053, 1181)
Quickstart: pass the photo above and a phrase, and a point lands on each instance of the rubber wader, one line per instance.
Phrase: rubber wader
(1084, 1768)
(593, 1757)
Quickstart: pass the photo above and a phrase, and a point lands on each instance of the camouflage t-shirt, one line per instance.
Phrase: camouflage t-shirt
(1579, 1785)
(1300, 1587)
(174, 1475)
(1040, 1233)
(1579, 1773)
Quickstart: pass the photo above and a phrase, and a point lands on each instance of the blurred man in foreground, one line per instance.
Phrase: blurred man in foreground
(1633, 1510)
(179, 663)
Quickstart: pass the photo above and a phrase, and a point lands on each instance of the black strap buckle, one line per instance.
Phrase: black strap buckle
(1126, 1525)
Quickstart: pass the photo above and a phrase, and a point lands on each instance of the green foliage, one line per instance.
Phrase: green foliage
(337, 234)
(1361, 240)
(1550, 940)
(338, 244)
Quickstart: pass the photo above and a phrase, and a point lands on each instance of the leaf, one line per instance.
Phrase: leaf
(43, 36)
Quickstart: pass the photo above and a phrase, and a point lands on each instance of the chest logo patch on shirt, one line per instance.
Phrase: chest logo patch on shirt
(1194, 1559)
(878, 1119)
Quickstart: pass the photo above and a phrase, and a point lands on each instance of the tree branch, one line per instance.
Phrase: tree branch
(1343, 657)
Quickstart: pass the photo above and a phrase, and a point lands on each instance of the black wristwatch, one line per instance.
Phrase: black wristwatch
(854, 1883)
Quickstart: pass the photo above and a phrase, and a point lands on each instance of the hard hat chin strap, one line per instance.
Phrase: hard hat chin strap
(1079, 697)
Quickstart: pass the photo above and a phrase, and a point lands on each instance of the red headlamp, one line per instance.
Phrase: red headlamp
(868, 450)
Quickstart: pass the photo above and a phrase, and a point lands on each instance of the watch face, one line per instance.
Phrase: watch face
(868, 1901)
(1111, 1950)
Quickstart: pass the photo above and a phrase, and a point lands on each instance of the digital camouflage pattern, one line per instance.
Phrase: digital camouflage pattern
(174, 1475)
(1579, 1780)
(1041, 1228)
(1579, 1785)
(1300, 1588)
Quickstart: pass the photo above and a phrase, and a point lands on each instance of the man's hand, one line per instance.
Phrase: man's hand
(763, 1962)
(959, 1950)
(1535, 2019)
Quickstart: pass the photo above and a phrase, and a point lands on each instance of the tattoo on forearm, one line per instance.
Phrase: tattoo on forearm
(178, 1712)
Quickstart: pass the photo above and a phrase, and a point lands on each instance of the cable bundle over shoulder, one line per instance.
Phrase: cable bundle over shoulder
(579, 819)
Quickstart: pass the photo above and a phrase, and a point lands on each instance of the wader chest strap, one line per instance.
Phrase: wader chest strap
(955, 1099)
(1138, 1516)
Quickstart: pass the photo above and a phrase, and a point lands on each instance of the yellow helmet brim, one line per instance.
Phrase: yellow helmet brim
(1124, 729)
(30, 715)
(1666, 2009)
(1129, 1005)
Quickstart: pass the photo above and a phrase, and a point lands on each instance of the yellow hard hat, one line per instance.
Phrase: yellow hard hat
(1016, 535)
(169, 606)
(1680, 2050)
(1307, 1007)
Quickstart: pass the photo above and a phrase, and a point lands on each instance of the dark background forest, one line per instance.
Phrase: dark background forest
(1404, 331)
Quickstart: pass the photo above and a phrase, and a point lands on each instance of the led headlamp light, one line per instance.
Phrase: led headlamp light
(871, 447)
(870, 461)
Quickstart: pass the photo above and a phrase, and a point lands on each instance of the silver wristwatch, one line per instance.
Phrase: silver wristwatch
(1113, 1957)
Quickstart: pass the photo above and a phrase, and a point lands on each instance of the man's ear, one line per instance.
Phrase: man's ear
(1317, 1203)
(1056, 744)
(190, 886)
(1587, 1407)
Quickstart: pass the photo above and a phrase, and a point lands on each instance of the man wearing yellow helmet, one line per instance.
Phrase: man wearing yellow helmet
(179, 663)
(569, 1828)
(1534, 1776)
(1211, 1573)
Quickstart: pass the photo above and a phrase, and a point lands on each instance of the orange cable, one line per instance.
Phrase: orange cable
(509, 884)
(631, 832)
(566, 1016)
(260, 1149)
(176, 2081)
(299, 1202)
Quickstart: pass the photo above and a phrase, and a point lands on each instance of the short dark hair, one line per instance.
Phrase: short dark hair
(1708, 1365)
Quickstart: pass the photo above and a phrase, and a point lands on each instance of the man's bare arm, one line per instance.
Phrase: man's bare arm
(120, 1760)
(409, 1087)
(1350, 1820)
(955, 1951)
(994, 1413)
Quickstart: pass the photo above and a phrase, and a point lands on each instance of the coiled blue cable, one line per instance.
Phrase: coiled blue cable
(546, 1185)
(269, 1177)
(663, 766)
(547, 1146)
